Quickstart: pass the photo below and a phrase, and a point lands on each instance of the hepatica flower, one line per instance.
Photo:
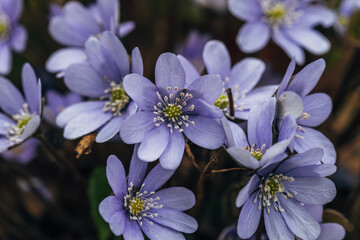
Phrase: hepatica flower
(279, 191)
(76, 23)
(21, 117)
(13, 36)
(309, 110)
(169, 111)
(289, 23)
(101, 80)
(346, 9)
(241, 79)
(137, 206)
(22, 153)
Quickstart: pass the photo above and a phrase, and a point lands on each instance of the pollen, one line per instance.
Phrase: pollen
(276, 12)
(256, 152)
(118, 99)
(136, 206)
(222, 102)
(4, 26)
(22, 123)
(173, 111)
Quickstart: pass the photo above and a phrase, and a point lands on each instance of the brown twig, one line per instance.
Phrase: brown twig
(227, 170)
(231, 102)
(191, 156)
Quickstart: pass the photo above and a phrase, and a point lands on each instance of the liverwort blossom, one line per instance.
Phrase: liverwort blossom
(289, 23)
(169, 111)
(13, 36)
(309, 110)
(257, 150)
(20, 117)
(280, 190)
(241, 79)
(138, 207)
(346, 9)
(100, 79)
(75, 24)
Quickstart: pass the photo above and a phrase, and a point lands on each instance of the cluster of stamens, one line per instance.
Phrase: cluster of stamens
(5, 26)
(140, 203)
(269, 188)
(118, 99)
(255, 151)
(281, 13)
(14, 131)
(172, 109)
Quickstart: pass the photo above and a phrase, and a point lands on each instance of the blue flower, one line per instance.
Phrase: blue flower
(21, 118)
(13, 36)
(280, 190)
(75, 24)
(288, 22)
(258, 149)
(137, 205)
(309, 110)
(101, 80)
(169, 110)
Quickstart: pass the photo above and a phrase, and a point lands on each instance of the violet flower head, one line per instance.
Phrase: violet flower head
(76, 23)
(289, 23)
(280, 190)
(169, 111)
(20, 117)
(241, 79)
(346, 9)
(309, 110)
(13, 36)
(100, 79)
(22, 153)
(137, 206)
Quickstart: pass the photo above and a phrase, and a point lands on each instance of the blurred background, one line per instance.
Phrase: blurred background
(39, 200)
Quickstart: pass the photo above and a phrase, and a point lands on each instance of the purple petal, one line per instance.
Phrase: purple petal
(31, 127)
(246, 191)
(109, 206)
(331, 231)
(117, 222)
(18, 38)
(5, 59)
(291, 48)
(135, 128)
(274, 153)
(246, 74)
(207, 88)
(320, 170)
(157, 232)
(63, 58)
(191, 73)
(310, 39)
(109, 130)
(65, 34)
(275, 226)
(116, 176)
(285, 81)
(217, 59)
(169, 73)
(176, 198)
(12, 8)
(260, 122)
(132, 231)
(313, 138)
(249, 218)
(125, 28)
(31, 88)
(4, 120)
(11, 100)
(154, 144)
(141, 90)
(318, 106)
(287, 129)
(94, 120)
(255, 96)
(204, 109)
(253, 36)
(173, 154)
(301, 223)
(248, 10)
(235, 136)
(206, 132)
(137, 65)
(289, 103)
(77, 15)
(157, 177)
(109, 11)
(243, 157)
(82, 79)
(75, 110)
(316, 211)
(304, 186)
(307, 78)
(176, 220)
(137, 169)
(318, 15)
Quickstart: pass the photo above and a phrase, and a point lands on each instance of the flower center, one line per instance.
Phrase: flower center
(23, 122)
(276, 12)
(256, 152)
(281, 12)
(139, 204)
(268, 190)
(118, 99)
(222, 102)
(5, 26)
(22, 119)
(172, 108)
